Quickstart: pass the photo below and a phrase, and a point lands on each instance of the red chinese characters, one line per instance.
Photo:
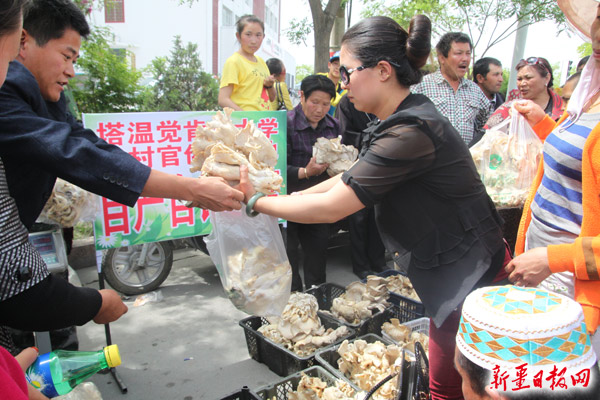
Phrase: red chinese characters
(269, 126)
(554, 379)
(116, 217)
(191, 127)
(169, 156)
(162, 142)
(169, 131)
(111, 132)
(141, 133)
(181, 214)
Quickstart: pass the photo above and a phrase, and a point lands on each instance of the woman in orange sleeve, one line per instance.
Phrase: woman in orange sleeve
(558, 244)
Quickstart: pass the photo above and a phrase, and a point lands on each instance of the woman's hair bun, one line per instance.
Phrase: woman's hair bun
(418, 44)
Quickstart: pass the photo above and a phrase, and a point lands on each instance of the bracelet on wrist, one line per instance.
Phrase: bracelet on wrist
(305, 174)
(249, 207)
(268, 87)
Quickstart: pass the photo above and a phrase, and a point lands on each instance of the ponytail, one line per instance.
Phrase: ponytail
(418, 44)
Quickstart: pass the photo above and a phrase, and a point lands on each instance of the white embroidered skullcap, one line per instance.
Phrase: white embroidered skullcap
(507, 326)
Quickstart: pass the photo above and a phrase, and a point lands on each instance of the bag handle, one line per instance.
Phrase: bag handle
(280, 102)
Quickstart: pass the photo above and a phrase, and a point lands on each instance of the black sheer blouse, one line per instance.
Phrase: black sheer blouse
(430, 204)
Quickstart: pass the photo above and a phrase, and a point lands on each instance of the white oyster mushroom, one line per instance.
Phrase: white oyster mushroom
(257, 280)
(394, 329)
(398, 284)
(359, 302)
(220, 148)
(299, 328)
(66, 204)
(366, 364)
(313, 388)
(340, 157)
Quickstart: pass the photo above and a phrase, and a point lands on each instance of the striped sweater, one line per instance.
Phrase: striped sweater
(581, 257)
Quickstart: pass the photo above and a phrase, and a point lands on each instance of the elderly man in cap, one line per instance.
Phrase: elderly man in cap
(334, 74)
(524, 343)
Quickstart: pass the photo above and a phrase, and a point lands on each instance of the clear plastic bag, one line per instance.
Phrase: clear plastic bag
(507, 163)
(252, 262)
(68, 205)
(83, 391)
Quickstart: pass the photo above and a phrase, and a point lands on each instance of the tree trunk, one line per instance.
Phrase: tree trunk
(339, 27)
(323, 23)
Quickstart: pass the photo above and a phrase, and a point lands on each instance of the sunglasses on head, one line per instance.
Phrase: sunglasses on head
(534, 61)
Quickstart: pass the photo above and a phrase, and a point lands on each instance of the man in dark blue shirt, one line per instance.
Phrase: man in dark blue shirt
(40, 140)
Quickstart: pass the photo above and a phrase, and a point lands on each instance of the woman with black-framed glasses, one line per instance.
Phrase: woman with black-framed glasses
(415, 170)
(534, 82)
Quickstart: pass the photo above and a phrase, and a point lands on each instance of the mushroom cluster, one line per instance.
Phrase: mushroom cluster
(405, 336)
(258, 281)
(339, 156)
(313, 388)
(220, 148)
(398, 284)
(67, 204)
(299, 327)
(360, 301)
(367, 364)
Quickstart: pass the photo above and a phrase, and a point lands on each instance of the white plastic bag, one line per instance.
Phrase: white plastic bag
(68, 205)
(508, 163)
(252, 262)
(83, 391)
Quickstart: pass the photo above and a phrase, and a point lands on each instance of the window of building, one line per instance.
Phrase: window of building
(271, 19)
(228, 17)
(114, 11)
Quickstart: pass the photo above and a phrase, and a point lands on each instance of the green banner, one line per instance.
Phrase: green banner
(163, 142)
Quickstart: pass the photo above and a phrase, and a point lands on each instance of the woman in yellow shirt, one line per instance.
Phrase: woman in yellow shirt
(246, 84)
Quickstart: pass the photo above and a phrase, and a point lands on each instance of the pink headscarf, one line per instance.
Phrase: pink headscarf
(581, 14)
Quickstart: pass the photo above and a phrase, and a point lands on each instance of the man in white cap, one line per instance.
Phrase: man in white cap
(334, 74)
(524, 343)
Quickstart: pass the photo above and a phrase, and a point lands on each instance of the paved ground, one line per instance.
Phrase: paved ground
(189, 345)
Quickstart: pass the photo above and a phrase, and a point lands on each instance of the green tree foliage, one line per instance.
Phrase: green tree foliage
(181, 84)
(506, 77)
(85, 5)
(108, 84)
(298, 30)
(487, 22)
(584, 49)
(302, 71)
(323, 16)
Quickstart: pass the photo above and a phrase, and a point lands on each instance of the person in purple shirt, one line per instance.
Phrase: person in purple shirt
(305, 123)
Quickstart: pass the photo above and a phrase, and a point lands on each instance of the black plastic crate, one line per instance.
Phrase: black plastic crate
(279, 359)
(403, 313)
(280, 390)
(242, 394)
(328, 357)
(326, 292)
(409, 309)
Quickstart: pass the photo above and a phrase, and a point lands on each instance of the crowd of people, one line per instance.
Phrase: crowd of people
(414, 191)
